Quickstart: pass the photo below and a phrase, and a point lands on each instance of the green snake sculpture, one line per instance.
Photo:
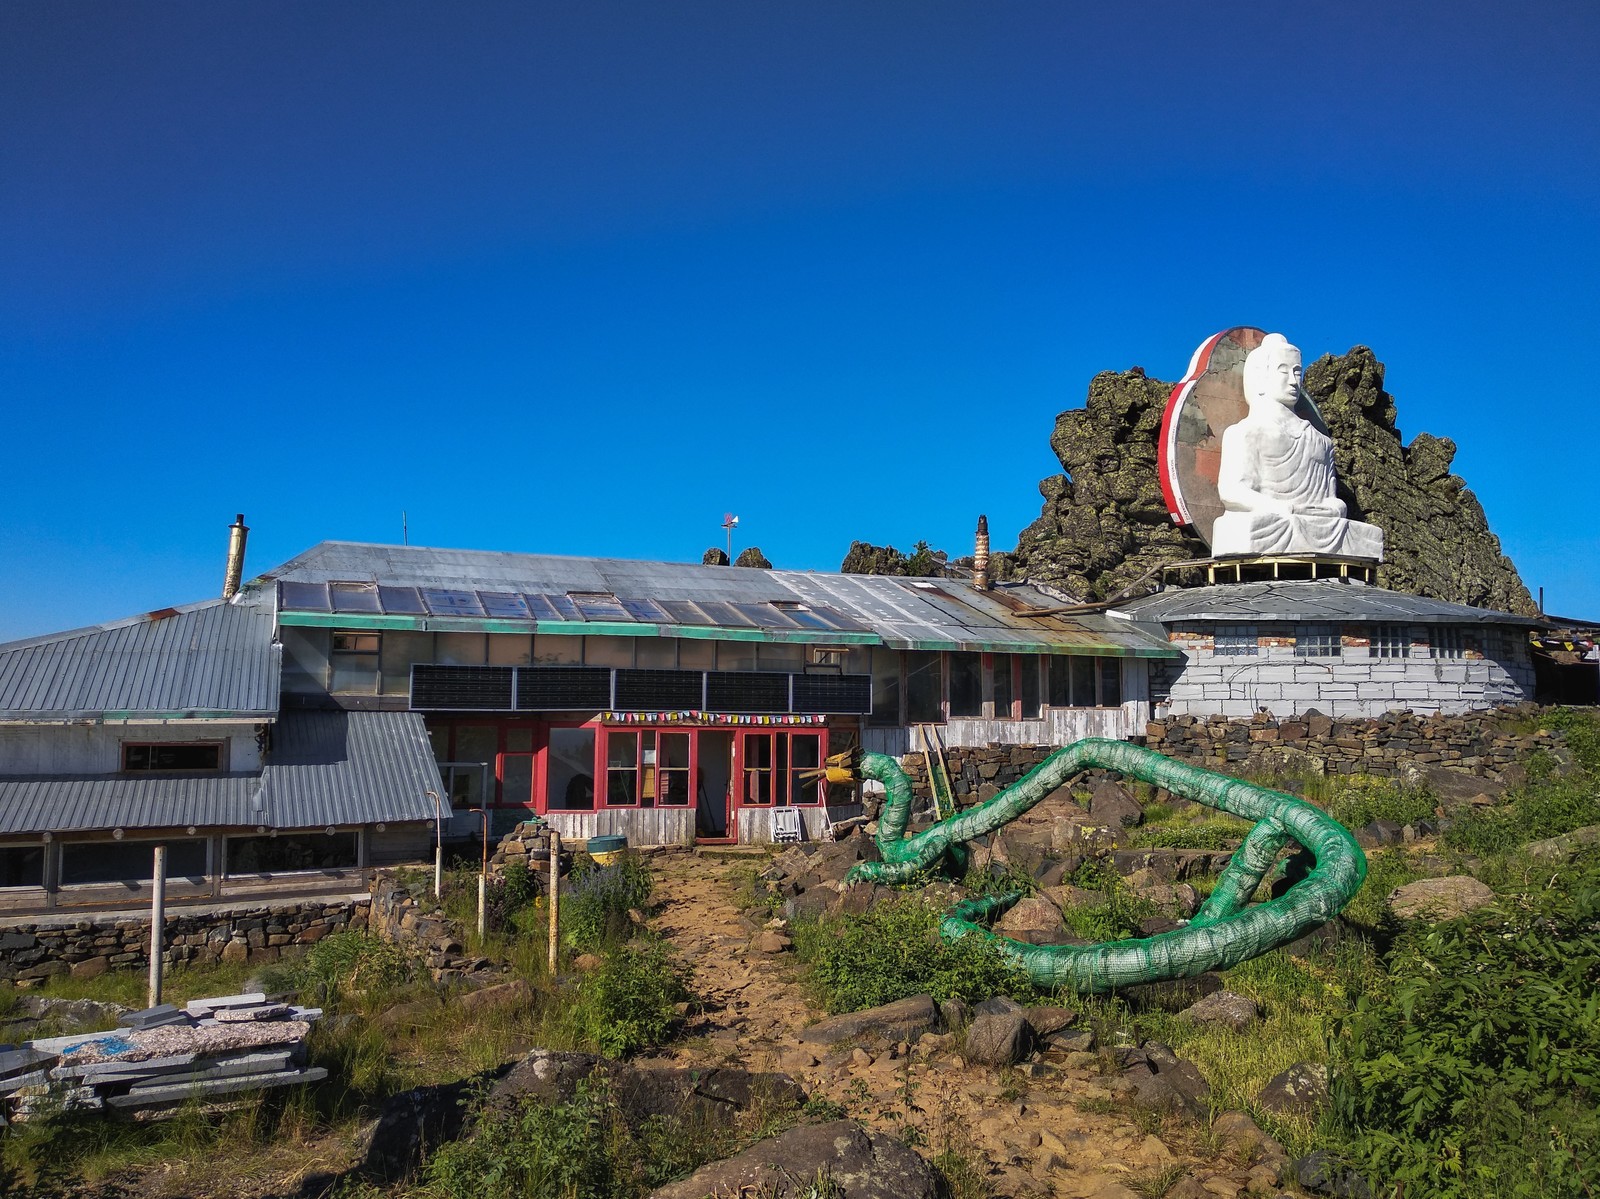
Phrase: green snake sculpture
(1228, 928)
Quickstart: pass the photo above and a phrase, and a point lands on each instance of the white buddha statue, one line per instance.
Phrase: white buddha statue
(1276, 480)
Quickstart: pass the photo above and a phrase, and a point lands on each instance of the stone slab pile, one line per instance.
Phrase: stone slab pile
(528, 842)
(162, 1058)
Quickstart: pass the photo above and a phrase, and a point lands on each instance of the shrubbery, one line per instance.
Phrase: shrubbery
(629, 1003)
(892, 951)
(594, 913)
(1474, 1068)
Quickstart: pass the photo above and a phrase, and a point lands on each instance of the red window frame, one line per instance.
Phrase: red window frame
(791, 770)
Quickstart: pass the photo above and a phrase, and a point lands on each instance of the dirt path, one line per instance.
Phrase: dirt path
(1040, 1130)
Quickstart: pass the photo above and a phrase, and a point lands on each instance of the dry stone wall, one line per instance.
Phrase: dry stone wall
(88, 946)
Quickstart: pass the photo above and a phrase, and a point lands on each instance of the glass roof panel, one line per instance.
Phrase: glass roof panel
(565, 609)
(540, 607)
(303, 597)
(765, 616)
(401, 601)
(685, 612)
(647, 610)
(504, 605)
(726, 615)
(451, 603)
(599, 605)
(354, 597)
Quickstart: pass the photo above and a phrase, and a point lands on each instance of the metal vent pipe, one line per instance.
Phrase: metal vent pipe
(238, 533)
(980, 556)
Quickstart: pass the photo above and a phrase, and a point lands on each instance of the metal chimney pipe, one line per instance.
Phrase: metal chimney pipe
(980, 556)
(238, 533)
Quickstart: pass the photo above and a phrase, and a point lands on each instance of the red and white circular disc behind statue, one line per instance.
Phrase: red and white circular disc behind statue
(1208, 399)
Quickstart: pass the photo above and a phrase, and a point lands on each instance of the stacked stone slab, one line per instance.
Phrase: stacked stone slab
(528, 842)
(162, 1058)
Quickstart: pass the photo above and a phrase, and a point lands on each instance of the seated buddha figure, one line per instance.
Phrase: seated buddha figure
(1276, 480)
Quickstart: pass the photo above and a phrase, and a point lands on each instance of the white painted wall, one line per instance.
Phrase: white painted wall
(97, 748)
(1354, 684)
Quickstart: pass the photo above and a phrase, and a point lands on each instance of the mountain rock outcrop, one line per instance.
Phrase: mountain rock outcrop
(1105, 524)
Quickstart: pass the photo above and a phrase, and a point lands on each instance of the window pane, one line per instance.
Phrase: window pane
(966, 685)
(924, 688)
(355, 674)
(1029, 666)
(305, 659)
(885, 687)
(1110, 682)
(130, 861)
(656, 653)
(510, 649)
(516, 779)
(622, 749)
(21, 865)
(1060, 682)
(736, 655)
(1002, 686)
(551, 649)
(400, 650)
(477, 742)
(519, 739)
(784, 657)
(570, 769)
(460, 649)
(171, 756)
(1236, 642)
(608, 651)
(1083, 682)
(289, 854)
(695, 654)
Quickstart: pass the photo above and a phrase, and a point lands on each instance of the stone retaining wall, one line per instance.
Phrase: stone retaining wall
(86, 946)
(1489, 744)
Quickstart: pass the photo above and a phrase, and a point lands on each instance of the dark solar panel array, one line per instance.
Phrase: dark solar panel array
(843, 693)
(563, 688)
(746, 691)
(577, 606)
(461, 688)
(660, 688)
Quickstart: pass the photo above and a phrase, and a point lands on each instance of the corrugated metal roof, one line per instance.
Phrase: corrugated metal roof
(349, 768)
(1308, 600)
(325, 768)
(899, 612)
(209, 659)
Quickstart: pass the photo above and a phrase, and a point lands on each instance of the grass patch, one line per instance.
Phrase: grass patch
(893, 951)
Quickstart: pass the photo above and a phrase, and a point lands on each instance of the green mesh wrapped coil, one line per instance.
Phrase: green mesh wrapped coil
(1227, 930)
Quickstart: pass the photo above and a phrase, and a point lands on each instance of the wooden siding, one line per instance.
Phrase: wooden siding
(755, 825)
(642, 826)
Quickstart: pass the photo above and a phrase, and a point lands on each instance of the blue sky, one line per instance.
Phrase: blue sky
(582, 277)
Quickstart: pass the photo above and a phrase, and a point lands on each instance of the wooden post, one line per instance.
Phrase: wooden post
(555, 892)
(482, 889)
(158, 920)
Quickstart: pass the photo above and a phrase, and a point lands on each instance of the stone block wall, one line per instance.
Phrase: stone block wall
(86, 946)
(1488, 744)
(1491, 672)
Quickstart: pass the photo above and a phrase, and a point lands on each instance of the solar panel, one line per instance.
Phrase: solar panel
(647, 610)
(303, 597)
(563, 688)
(746, 691)
(660, 688)
(841, 693)
(451, 603)
(354, 597)
(461, 688)
(599, 605)
(504, 605)
(401, 601)
(685, 612)
(725, 615)
(765, 616)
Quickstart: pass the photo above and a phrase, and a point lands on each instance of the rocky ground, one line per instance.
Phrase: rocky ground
(1063, 1123)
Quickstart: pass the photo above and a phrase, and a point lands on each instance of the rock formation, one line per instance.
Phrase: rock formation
(1105, 524)
(753, 557)
(863, 558)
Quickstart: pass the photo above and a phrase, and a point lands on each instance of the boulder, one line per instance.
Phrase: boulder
(1156, 1077)
(1439, 898)
(1452, 788)
(1322, 1173)
(391, 1147)
(997, 1038)
(715, 1096)
(1566, 847)
(1113, 805)
(902, 1020)
(504, 997)
(1301, 1090)
(1033, 919)
(1223, 1009)
(857, 1162)
(1238, 1130)
(1046, 1020)
(1171, 994)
